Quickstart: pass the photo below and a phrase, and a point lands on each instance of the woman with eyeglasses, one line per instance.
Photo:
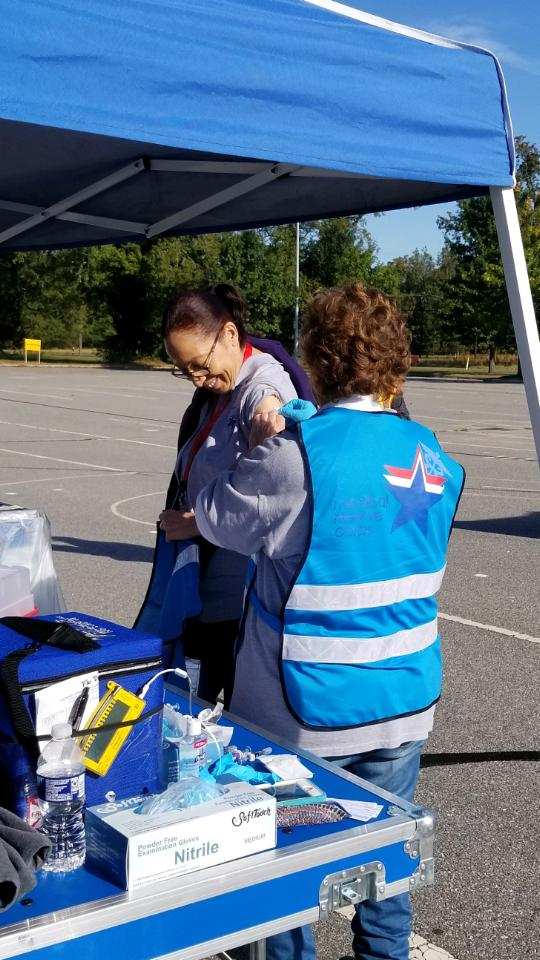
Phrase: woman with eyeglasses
(240, 381)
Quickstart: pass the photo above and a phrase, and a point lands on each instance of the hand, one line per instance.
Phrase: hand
(265, 425)
(178, 526)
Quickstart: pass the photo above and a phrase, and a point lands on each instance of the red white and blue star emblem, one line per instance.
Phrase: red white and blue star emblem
(415, 489)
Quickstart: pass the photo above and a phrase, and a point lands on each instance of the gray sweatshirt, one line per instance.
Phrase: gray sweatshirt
(262, 509)
(261, 376)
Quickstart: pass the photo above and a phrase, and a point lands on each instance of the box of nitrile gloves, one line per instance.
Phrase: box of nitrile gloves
(133, 849)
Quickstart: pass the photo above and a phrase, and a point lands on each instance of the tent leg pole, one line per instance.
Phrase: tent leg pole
(520, 298)
(257, 951)
(297, 289)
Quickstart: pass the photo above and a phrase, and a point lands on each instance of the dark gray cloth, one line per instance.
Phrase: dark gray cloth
(22, 852)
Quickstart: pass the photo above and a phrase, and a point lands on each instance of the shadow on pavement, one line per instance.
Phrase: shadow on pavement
(485, 756)
(524, 525)
(132, 552)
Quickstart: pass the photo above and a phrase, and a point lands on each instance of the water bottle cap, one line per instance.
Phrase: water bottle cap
(61, 731)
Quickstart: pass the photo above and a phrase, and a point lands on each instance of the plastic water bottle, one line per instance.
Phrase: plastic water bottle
(186, 756)
(60, 774)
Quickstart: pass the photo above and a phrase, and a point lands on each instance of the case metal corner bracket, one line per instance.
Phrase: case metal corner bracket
(367, 881)
(420, 847)
(347, 887)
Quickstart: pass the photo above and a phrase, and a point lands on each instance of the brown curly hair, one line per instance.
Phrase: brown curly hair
(354, 340)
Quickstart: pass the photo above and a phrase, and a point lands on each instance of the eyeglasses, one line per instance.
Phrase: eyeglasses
(196, 372)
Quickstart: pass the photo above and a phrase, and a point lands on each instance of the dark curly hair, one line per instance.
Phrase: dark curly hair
(206, 310)
(354, 340)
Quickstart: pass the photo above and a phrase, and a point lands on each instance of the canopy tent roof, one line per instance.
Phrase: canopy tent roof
(154, 117)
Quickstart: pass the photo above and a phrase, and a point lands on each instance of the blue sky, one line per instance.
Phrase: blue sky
(512, 31)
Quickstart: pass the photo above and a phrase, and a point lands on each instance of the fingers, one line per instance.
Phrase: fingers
(274, 422)
(265, 425)
(269, 422)
(178, 526)
(166, 519)
(167, 516)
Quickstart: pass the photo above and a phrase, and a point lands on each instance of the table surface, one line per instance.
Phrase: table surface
(60, 892)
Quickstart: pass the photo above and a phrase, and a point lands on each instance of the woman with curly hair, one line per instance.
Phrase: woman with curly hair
(348, 515)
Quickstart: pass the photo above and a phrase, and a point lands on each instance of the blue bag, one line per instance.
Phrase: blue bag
(115, 653)
(173, 594)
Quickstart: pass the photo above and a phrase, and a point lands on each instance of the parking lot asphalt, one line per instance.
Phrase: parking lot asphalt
(94, 448)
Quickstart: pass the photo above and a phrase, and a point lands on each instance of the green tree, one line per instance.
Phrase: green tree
(261, 264)
(118, 289)
(52, 290)
(387, 277)
(475, 292)
(338, 251)
(131, 284)
(417, 289)
(11, 332)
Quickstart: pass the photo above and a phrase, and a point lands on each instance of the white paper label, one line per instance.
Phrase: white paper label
(361, 810)
(55, 702)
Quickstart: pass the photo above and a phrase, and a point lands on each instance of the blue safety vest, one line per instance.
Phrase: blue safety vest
(172, 596)
(360, 643)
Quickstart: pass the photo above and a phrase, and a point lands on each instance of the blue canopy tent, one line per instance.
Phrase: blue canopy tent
(147, 118)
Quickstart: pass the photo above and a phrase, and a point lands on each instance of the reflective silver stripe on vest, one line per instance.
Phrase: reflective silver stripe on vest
(353, 650)
(188, 555)
(360, 596)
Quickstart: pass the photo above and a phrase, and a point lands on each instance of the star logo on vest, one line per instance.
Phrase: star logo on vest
(416, 489)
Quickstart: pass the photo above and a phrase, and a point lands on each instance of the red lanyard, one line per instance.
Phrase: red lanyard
(206, 428)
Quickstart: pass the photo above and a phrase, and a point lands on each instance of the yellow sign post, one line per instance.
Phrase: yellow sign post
(32, 346)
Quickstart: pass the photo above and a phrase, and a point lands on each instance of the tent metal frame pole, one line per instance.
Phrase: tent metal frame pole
(111, 223)
(297, 289)
(520, 298)
(232, 167)
(124, 173)
(245, 167)
(273, 172)
(256, 173)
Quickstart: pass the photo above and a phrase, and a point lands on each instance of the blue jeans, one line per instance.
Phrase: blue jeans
(381, 930)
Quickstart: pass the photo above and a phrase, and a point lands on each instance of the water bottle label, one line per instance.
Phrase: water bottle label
(61, 789)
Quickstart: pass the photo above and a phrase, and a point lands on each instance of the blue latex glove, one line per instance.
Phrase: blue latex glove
(206, 775)
(248, 773)
(297, 410)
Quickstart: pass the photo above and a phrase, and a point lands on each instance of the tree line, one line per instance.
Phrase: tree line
(112, 297)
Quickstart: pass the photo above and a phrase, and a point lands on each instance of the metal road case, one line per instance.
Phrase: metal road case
(313, 871)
